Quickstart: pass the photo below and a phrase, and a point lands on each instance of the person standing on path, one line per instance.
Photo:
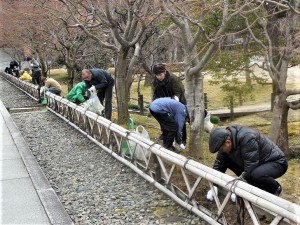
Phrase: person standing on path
(36, 71)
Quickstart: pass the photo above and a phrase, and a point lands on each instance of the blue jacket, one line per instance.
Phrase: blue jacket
(176, 109)
(100, 79)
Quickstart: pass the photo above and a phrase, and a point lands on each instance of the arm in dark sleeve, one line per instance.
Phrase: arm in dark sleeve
(178, 88)
(220, 163)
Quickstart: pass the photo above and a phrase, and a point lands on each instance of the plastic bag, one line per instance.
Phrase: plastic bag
(93, 103)
(208, 126)
(45, 100)
(124, 144)
(139, 151)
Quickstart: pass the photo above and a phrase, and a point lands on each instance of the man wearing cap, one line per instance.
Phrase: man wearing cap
(250, 155)
(172, 116)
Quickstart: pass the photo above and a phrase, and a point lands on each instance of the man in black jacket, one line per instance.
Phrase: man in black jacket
(103, 83)
(250, 155)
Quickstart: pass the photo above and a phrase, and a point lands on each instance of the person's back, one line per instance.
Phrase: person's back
(26, 76)
(76, 94)
(51, 85)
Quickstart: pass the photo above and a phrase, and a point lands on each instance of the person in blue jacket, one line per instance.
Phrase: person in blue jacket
(103, 82)
(172, 116)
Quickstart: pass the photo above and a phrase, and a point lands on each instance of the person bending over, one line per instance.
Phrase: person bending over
(250, 155)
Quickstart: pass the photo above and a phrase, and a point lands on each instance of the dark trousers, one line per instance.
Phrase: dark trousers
(168, 126)
(106, 96)
(264, 175)
(36, 77)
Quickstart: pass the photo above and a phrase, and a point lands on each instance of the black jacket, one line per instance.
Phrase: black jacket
(100, 79)
(250, 149)
(171, 86)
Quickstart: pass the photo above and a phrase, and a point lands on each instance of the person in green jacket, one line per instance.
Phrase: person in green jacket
(77, 93)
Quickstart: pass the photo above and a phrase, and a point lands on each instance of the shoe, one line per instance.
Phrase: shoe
(173, 149)
(278, 192)
(160, 138)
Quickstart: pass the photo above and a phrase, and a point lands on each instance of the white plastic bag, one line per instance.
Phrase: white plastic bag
(208, 126)
(140, 153)
(93, 103)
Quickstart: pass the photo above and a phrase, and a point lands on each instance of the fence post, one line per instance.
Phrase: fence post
(141, 103)
(231, 108)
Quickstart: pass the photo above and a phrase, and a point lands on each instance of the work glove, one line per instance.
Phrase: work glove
(176, 98)
(181, 147)
(233, 197)
(210, 196)
(92, 89)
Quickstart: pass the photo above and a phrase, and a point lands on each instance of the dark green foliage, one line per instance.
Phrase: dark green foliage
(214, 119)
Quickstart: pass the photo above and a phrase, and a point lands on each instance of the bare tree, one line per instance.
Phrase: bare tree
(280, 43)
(119, 26)
(191, 18)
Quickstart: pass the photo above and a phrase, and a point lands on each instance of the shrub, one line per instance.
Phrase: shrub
(214, 119)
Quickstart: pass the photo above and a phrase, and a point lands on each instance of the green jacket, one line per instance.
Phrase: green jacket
(76, 94)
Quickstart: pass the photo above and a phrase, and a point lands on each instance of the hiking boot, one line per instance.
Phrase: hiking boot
(278, 192)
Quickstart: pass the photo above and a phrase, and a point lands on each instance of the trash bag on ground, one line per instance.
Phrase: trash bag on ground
(139, 152)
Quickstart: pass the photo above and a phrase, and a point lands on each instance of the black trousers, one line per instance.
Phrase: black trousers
(105, 95)
(168, 126)
(264, 175)
(36, 77)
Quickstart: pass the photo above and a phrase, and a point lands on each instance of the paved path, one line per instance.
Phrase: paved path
(241, 110)
(26, 196)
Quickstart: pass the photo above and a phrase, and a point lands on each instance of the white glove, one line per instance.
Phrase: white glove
(233, 197)
(181, 146)
(176, 98)
(92, 89)
(210, 196)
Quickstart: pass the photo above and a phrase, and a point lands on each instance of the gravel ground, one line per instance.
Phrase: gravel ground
(93, 187)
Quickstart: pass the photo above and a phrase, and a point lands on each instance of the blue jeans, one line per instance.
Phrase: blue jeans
(54, 91)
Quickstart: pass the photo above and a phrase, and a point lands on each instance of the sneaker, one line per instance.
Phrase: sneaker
(278, 192)
(174, 149)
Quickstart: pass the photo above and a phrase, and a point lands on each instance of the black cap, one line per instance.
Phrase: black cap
(160, 68)
(217, 139)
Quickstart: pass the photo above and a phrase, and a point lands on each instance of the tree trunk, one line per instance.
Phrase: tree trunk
(122, 87)
(195, 101)
(71, 72)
